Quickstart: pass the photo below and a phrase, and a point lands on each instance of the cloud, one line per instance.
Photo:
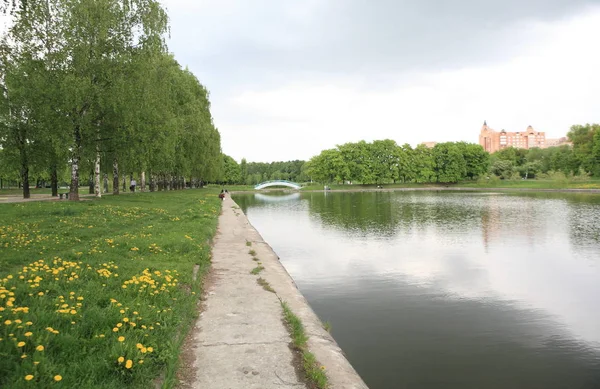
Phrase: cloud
(289, 80)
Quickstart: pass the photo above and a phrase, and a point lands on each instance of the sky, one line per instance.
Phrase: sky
(290, 78)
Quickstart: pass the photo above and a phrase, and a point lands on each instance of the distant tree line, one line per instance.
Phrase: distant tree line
(383, 161)
(252, 173)
(88, 89)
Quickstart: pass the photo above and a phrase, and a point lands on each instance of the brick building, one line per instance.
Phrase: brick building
(492, 140)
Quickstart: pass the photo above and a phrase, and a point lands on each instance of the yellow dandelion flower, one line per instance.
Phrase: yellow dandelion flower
(40, 348)
(129, 364)
(28, 334)
(115, 329)
(28, 323)
(141, 361)
(119, 325)
(8, 322)
(150, 349)
(125, 319)
(139, 345)
(28, 377)
(121, 339)
(121, 359)
(57, 377)
(20, 344)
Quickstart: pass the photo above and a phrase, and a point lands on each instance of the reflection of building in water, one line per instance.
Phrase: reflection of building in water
(507, 218)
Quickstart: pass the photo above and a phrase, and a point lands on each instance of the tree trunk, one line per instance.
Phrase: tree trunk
(75, 158)
(105, 183)
(91, 183)
(54, 181)
(124, 184)
(115, 176)
(97, 188)
(25, 178)
(152, 182)
(143, 182)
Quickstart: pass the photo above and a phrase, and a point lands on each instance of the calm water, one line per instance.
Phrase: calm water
(448, 290)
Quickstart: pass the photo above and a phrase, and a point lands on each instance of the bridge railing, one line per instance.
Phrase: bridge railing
(276, 182)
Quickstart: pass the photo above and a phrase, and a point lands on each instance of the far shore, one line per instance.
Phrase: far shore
(423, 188)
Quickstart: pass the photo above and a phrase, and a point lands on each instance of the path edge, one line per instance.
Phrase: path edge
(340, 372)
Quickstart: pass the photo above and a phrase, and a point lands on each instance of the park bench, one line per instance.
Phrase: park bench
(65, 194)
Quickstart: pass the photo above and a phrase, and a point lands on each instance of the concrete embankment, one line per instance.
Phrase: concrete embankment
(240, 340)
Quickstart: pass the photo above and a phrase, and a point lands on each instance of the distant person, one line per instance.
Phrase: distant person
(132, 185)
(222, 194)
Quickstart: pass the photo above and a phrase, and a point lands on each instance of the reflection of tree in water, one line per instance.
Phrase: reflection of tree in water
(528, 215)
(365, 212)
(387, 213)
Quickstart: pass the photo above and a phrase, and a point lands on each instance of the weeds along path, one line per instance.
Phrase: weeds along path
(100, 293)
(240, 340)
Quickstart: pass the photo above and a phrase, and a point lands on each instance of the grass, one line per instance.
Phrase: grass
(265, 285)
(315, 373)
(19, 192)
(327, 326)
(534, 184)
(257, 270)
(251, 252)
(100, 293)
(256, 259)
(248, 243)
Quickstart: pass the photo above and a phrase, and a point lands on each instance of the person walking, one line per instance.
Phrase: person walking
(132, 185)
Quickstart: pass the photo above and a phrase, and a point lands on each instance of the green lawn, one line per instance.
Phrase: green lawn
(99, 293)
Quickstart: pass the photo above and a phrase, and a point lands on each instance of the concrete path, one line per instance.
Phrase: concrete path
(240, 340)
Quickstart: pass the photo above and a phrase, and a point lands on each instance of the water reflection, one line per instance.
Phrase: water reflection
(456, 290)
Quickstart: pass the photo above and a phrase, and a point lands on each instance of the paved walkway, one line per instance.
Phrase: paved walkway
(240, 340)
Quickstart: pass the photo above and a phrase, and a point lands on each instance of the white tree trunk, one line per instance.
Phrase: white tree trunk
(143, 181)
(97, 188)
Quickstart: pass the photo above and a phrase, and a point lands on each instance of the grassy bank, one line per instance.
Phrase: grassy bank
(100, 293)
(534, 184)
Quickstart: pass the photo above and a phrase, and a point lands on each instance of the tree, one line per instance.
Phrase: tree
(503, 168)
(232, 173)
(450, 165)
(244, 170)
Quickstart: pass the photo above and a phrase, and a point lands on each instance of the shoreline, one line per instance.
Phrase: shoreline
(241, 338)
(432, 189)
(339, 370)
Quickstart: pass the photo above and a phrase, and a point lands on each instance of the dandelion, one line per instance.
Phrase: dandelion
(115, 329)
(129, 364)
(121, 339)
(40, 348)
(28, 377)
(28, 334)
(20, 344)
(8, 322)
(121, 359)
(139, 345)
(150, 349)
(57, 377)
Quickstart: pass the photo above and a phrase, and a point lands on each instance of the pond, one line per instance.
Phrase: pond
(447, 289)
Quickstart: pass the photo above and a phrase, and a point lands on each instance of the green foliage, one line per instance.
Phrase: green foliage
(91, 80)
(383, 162)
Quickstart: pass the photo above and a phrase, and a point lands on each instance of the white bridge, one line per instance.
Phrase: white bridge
(267, 184)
